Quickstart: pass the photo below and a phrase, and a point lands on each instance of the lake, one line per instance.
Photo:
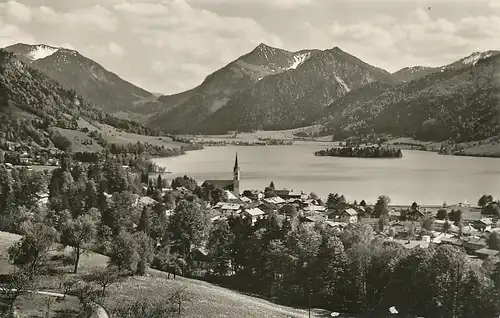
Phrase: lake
(424, 177)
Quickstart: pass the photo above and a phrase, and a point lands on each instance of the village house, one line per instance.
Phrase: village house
(230, 209)
(311, 208)
(274, 200)
(473, 244)
(450, 240)
(313, 218)
(484, 224)
(287, 194)
(201, 259)
(349, 216)
(484, 253)
(42, 198)
(141, 202)
(254, 214)
(410, 244)
(254, 195)
(336, 225)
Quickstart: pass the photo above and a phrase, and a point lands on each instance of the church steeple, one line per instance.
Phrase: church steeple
(236, 177)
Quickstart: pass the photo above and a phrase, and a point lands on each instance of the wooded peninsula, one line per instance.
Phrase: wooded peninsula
(364, 152)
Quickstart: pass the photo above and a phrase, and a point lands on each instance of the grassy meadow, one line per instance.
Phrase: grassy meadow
(206, 300)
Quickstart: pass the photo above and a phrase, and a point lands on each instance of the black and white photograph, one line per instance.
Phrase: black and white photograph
(249, 158)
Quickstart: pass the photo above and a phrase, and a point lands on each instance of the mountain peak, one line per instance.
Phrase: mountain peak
(34, 52)
(265, 48)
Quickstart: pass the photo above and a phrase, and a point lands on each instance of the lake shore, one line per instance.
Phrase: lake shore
(420, 176)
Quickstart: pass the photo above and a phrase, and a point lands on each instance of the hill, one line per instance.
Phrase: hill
(34, 108)
(191, 107)
(83, 75)
(208, 300)
(460, 103)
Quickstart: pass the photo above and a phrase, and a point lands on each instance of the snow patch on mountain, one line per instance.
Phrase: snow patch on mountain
(40, 52)
(298, 60)
(341, 82)
(475, 57)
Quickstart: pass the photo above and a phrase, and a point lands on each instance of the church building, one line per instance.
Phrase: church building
(231, 185)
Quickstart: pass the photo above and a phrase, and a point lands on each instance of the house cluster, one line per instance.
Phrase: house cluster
(471, 233)
(27, 156)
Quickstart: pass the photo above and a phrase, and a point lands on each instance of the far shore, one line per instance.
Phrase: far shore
(489, 148)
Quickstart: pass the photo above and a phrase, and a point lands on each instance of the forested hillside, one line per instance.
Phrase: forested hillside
(458, 104)
(31, 105)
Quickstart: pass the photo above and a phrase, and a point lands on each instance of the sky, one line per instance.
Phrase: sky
(168, 46)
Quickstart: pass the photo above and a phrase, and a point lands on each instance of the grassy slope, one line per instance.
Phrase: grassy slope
(208, 300)
(112, 136)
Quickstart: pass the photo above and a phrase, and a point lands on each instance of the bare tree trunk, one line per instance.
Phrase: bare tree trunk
(77, 260)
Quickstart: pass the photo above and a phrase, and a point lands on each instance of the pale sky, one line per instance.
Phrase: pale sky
(168, 46)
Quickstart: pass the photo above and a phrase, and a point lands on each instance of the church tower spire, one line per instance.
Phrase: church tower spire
(236, 177)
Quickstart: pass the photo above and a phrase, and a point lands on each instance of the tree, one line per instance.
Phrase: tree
(382, 206)
(32, 249)
(21, 283)
(446, 226)
(104, 278)
(494, 240)
(145, 249)
(392, 232)
(313, 196)
(414, 206)
(362, 203)
(428, 223)
(123, 253)
(383, 221)
(442, 214)
(269, 192)
(87, 296)
(179, 298)
(220, 241)
(144, 220)
(455, 216)
(77, 233)
(159, 182)
(411, 230)
(492, 209)
(188, 225)
(69, 285)
(484, 200)
(271, 185)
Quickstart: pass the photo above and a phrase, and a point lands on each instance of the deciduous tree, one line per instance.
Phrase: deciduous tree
(78, 233)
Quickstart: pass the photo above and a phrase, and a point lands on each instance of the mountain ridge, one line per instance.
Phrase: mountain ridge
(278, 67)
(87, 77)
(457, 103)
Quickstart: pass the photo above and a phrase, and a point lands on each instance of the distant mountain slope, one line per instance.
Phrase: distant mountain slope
(186, 110)
(88, 78)
(31, 104)
(296, 97)
(415, 72)
(461, 102)
(355, 98)
(471, 60)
